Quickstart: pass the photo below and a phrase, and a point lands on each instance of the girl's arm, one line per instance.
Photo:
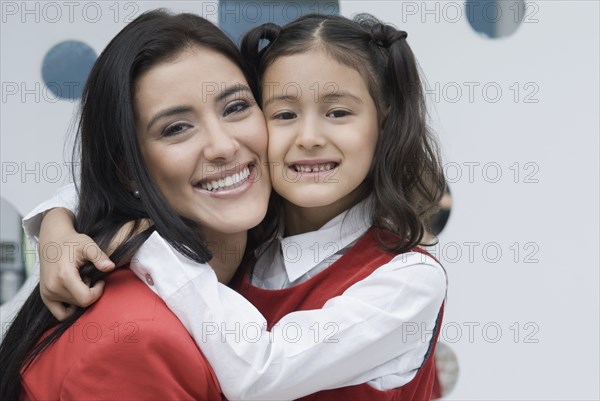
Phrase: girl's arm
(61, 252)
(380, 326)
(65, 197)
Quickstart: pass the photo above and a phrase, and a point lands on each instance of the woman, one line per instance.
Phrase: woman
(162, 74)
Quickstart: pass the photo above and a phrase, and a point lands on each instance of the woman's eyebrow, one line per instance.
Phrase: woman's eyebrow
(232, 90)
(224, 94)
(167, 113)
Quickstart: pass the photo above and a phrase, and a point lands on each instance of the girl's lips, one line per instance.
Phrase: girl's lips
(315, 172)
(307, 166)
(313, 167)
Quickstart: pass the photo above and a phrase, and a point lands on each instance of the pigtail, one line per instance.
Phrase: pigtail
(408, 177)
(253, 48)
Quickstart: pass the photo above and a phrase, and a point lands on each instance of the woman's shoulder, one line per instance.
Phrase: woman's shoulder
(130, 311)
(125, 297)
(128, 332)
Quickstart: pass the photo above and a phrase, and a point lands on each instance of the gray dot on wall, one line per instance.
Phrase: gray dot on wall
(495, 18)
(447, 369)
(66, 67)
(237, 17)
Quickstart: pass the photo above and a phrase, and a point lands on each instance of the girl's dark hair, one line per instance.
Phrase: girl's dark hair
(112, 167)
(406, 177)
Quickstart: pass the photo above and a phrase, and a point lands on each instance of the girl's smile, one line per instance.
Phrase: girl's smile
(323, 129)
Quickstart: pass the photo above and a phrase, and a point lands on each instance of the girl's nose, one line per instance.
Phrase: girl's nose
(310, 135)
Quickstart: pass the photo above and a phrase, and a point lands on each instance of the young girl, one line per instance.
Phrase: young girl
(345, 306)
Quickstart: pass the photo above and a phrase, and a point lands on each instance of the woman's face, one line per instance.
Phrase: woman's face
(204, 140)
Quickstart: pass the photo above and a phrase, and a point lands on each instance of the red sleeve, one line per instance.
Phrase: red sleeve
(150, 362)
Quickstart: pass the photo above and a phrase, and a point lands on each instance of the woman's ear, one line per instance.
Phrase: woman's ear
(130, 185)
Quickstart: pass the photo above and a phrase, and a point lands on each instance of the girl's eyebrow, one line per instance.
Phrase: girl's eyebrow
(342, 94)
(287, 98)
(329, 97)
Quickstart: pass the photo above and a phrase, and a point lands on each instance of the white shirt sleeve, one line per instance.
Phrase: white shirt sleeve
(65, 197)
(385, 321)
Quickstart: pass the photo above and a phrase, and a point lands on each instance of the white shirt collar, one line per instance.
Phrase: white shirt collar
(303, 252)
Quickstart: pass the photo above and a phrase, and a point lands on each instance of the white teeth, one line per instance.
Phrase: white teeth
(314, 168)
(227, 182)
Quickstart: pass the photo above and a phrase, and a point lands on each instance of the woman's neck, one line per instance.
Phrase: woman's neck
(227, 251)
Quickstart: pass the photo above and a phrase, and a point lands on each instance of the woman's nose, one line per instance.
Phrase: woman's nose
(222, 145)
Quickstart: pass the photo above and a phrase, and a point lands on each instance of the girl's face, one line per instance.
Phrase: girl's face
(204, 140)
(323, 128)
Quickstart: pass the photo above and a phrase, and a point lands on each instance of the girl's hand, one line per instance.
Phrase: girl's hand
(62, 253)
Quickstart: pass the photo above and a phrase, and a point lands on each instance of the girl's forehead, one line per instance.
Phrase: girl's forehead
(315, 62)
(312, 76)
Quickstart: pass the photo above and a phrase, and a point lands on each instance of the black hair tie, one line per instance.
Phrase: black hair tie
(385, 35)
(270, 31)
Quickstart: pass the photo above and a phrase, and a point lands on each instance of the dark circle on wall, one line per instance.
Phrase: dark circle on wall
(236, 17)
(496, 18)
(66, 67)
(438, 221)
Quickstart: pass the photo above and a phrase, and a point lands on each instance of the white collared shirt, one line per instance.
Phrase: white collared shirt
(295, 259)
(383, 325)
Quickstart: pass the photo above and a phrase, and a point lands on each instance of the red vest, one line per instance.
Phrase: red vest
(355, 265)
(127, 346)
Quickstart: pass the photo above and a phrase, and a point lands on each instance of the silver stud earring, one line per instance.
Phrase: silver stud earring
(136, 194)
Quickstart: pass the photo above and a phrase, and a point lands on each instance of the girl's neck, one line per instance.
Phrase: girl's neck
(300, 220)
(227, 251)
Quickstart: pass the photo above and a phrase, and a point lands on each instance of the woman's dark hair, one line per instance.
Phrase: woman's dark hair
(406, 177)
(111, 161)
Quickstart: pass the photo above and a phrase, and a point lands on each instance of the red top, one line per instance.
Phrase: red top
(355, 265)
(127, 346)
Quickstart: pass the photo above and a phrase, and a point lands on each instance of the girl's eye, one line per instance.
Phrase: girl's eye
(236, 107)
(338, 113)
(175, 129)
(285, 115)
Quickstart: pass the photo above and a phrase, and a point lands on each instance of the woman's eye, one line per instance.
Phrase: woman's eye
(175, 129)
(236, 107)
(285, 115)
(338, 113)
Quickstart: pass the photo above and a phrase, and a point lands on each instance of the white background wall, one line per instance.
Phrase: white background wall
(521, 247)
